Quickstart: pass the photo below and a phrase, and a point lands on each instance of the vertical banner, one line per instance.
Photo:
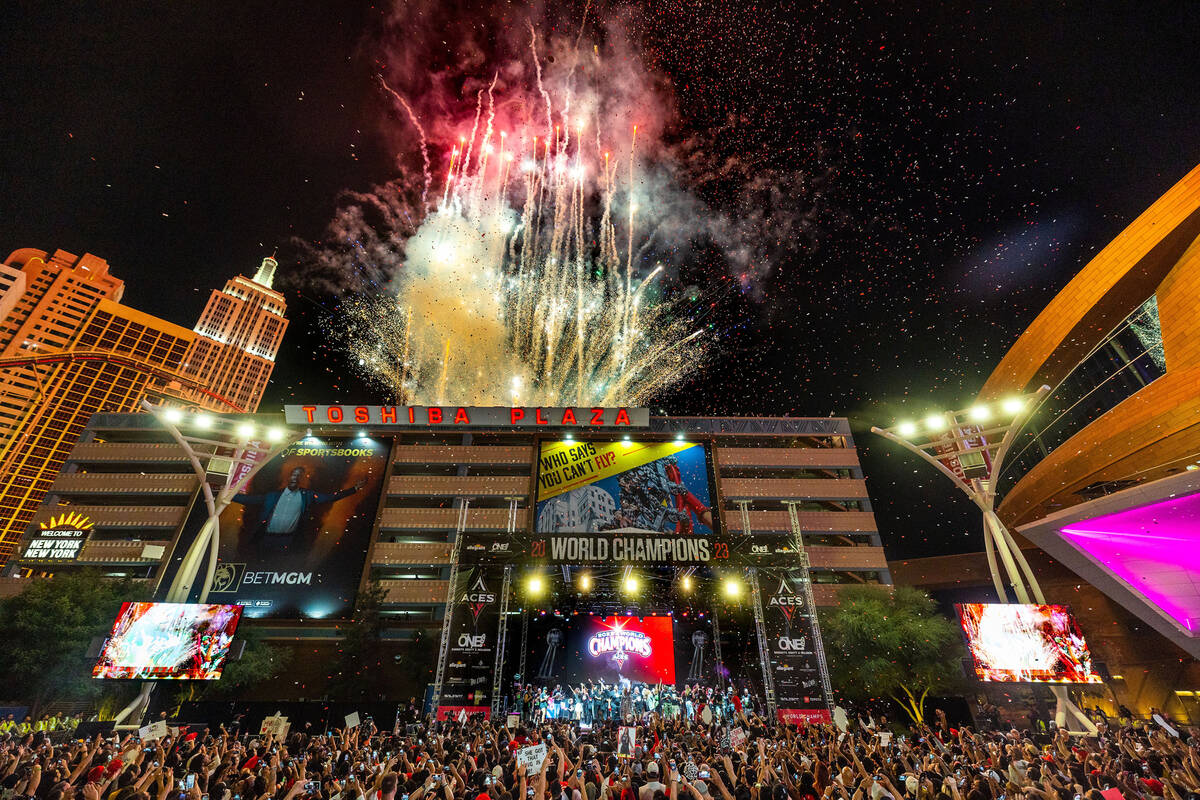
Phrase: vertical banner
(294, 541)
(474, 629)
(795, 666)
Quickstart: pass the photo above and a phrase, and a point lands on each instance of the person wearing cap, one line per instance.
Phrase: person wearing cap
(652, 784)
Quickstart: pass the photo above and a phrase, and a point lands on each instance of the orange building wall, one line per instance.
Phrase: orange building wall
(1155, 432)
(1113, 284)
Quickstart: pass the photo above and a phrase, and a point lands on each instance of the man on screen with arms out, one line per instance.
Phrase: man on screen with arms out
(281, 511)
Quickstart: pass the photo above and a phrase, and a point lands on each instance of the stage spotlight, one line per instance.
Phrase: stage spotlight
(686, 583)
(585, 582)
(630, 584)
(202, 421)
(679, 437)
(733, 587)
(275, 434)
(907, 428)
(245, 430)
(173, 416)
(535, 585)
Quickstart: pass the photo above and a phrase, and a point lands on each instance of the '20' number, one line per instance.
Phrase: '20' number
(538, 548)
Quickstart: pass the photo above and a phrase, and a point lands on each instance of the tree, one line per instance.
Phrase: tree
(47, 630)
(359, 668)
(260, 662)
(891, 642)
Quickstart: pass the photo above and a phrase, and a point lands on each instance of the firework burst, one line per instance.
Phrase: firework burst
(527, 281)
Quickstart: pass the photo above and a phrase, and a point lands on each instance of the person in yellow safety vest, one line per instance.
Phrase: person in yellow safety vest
(9, 725)
(72, 723)
(26, 726)
(57, 722)
(42, 725)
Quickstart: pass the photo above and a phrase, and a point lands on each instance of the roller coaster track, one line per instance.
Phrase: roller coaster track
(77, 356)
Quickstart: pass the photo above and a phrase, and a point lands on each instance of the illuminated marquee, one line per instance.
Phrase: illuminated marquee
(60, 539)
(469, 416)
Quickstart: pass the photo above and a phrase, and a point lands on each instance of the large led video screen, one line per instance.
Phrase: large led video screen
(1026, 643)
(625, 487)
(577, 648)
(294, 542)
(182, 641)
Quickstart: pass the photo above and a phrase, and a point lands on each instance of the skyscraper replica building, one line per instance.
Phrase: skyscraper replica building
(69, 349)
(237, 337)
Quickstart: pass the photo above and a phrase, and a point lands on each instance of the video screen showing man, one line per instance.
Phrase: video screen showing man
(655, 487)
(293, 542)
(281, 512)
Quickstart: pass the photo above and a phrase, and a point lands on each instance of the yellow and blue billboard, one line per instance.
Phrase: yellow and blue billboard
(625, 487)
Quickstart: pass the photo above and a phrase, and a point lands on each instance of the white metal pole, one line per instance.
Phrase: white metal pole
(997, 539)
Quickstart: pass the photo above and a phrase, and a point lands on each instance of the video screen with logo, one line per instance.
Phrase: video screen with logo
(578, 648)
(625, 487)
(1017, 642)
(294, 542)
(184, 641)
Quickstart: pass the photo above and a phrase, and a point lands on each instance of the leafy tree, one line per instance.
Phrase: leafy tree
(260, 662)
(891, 642)
(47, 629)
(359, 668)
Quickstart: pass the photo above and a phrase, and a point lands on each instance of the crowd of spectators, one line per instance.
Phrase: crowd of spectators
(746, 759)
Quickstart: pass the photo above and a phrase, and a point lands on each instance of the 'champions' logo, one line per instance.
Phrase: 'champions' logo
(619, 643)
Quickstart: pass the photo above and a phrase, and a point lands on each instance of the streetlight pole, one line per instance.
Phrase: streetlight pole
(205, 439)
(963, 446)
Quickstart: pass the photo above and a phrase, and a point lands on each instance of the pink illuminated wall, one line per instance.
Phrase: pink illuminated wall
(1154, 550)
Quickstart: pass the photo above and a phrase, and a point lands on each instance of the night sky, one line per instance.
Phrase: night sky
(939, 174)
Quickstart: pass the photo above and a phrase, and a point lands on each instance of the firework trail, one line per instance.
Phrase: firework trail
(517, 287)
(416, 123)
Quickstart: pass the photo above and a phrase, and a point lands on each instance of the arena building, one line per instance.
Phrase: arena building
(1103, 478)
(419, 500)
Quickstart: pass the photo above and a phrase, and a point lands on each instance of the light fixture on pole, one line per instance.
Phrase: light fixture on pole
(208, 440)
(969, 447)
